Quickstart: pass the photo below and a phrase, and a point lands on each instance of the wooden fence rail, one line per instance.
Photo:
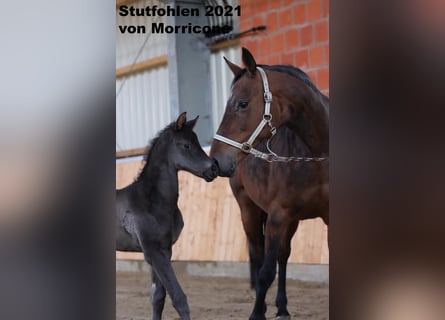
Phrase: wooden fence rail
(213, 229)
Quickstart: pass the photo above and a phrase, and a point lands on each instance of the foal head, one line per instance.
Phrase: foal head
(185, 152)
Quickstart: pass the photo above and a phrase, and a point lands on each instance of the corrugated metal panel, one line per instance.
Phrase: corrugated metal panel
(221, 80)
(128, 45)
(142, 108)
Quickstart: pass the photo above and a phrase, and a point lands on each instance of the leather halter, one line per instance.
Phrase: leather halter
(246, 146)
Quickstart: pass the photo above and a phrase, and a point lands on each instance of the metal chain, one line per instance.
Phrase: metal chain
(269, 157)
(273, 157)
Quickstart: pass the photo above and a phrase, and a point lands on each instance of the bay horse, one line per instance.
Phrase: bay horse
(273, 143)
(148, 218)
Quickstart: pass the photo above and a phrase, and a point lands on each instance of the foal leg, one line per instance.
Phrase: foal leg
(283, 256)
(157, 296)
(161, 265)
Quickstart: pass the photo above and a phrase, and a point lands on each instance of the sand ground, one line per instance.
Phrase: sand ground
(218, 298)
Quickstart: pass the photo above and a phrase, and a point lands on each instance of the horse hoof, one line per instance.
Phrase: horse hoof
(282, 318)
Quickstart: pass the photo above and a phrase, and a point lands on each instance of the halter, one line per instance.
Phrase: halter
(246, 146)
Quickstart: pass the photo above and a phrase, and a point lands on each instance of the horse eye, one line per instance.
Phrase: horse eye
(242, 105)
(187, 146)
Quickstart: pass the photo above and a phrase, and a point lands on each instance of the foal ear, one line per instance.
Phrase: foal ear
(181, 120)
(249, 62)
(192, 123)
(233, 67)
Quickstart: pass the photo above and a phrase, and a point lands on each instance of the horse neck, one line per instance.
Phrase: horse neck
(160, 176)
(305, 112)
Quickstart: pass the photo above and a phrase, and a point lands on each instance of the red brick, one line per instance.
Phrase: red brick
(291, 39)
(247, 9)
(274, 4)
(288, 58)
(313, 75)
(261, 6)
(264, 46)
(285, 18)
(322, 31)
(277, 43)
(316, 57)
(272, 22)
(275, 59)
(302, 58)
(258, 20)
(300, 14)
(325, 11)
(306, 36)
(251, 45)
(287, 2)
(326, 54)
(245, 24)
(314, 10)
(323, 79)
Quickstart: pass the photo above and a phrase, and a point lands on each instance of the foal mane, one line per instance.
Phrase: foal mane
(290, 70)
(149, 150)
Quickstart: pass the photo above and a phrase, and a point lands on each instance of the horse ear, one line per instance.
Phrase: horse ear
(249, 62)
(192, 123)
(181, 120)
(233, 67)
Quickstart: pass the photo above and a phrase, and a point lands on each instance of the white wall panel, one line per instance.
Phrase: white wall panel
(128, 45)
(142, 108)
(221, 80)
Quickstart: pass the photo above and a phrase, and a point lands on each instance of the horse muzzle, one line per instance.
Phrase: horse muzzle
(225, 166)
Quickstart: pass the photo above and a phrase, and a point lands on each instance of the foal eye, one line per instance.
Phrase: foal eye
(187, 146)
(242, 105)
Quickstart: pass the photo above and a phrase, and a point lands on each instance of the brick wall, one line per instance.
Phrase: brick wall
(297, 34)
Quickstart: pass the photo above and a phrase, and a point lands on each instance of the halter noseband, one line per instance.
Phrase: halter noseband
(267, 120)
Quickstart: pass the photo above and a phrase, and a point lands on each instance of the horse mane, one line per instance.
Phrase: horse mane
(288, 69)
(286, 143)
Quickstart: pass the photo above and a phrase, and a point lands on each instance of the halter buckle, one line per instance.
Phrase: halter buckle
(269, 157)
(268, 96)
(273, 130)
(246, 147)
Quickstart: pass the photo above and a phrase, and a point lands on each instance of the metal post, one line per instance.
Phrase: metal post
(189, 71)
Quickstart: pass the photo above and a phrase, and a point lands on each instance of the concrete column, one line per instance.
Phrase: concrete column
(189, 71)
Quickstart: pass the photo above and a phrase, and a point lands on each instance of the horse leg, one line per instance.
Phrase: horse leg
(281, 299)
(253, 219)
(161, 265)
(268, 271)
(255, 237)
(157, 296)
(283, 256)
